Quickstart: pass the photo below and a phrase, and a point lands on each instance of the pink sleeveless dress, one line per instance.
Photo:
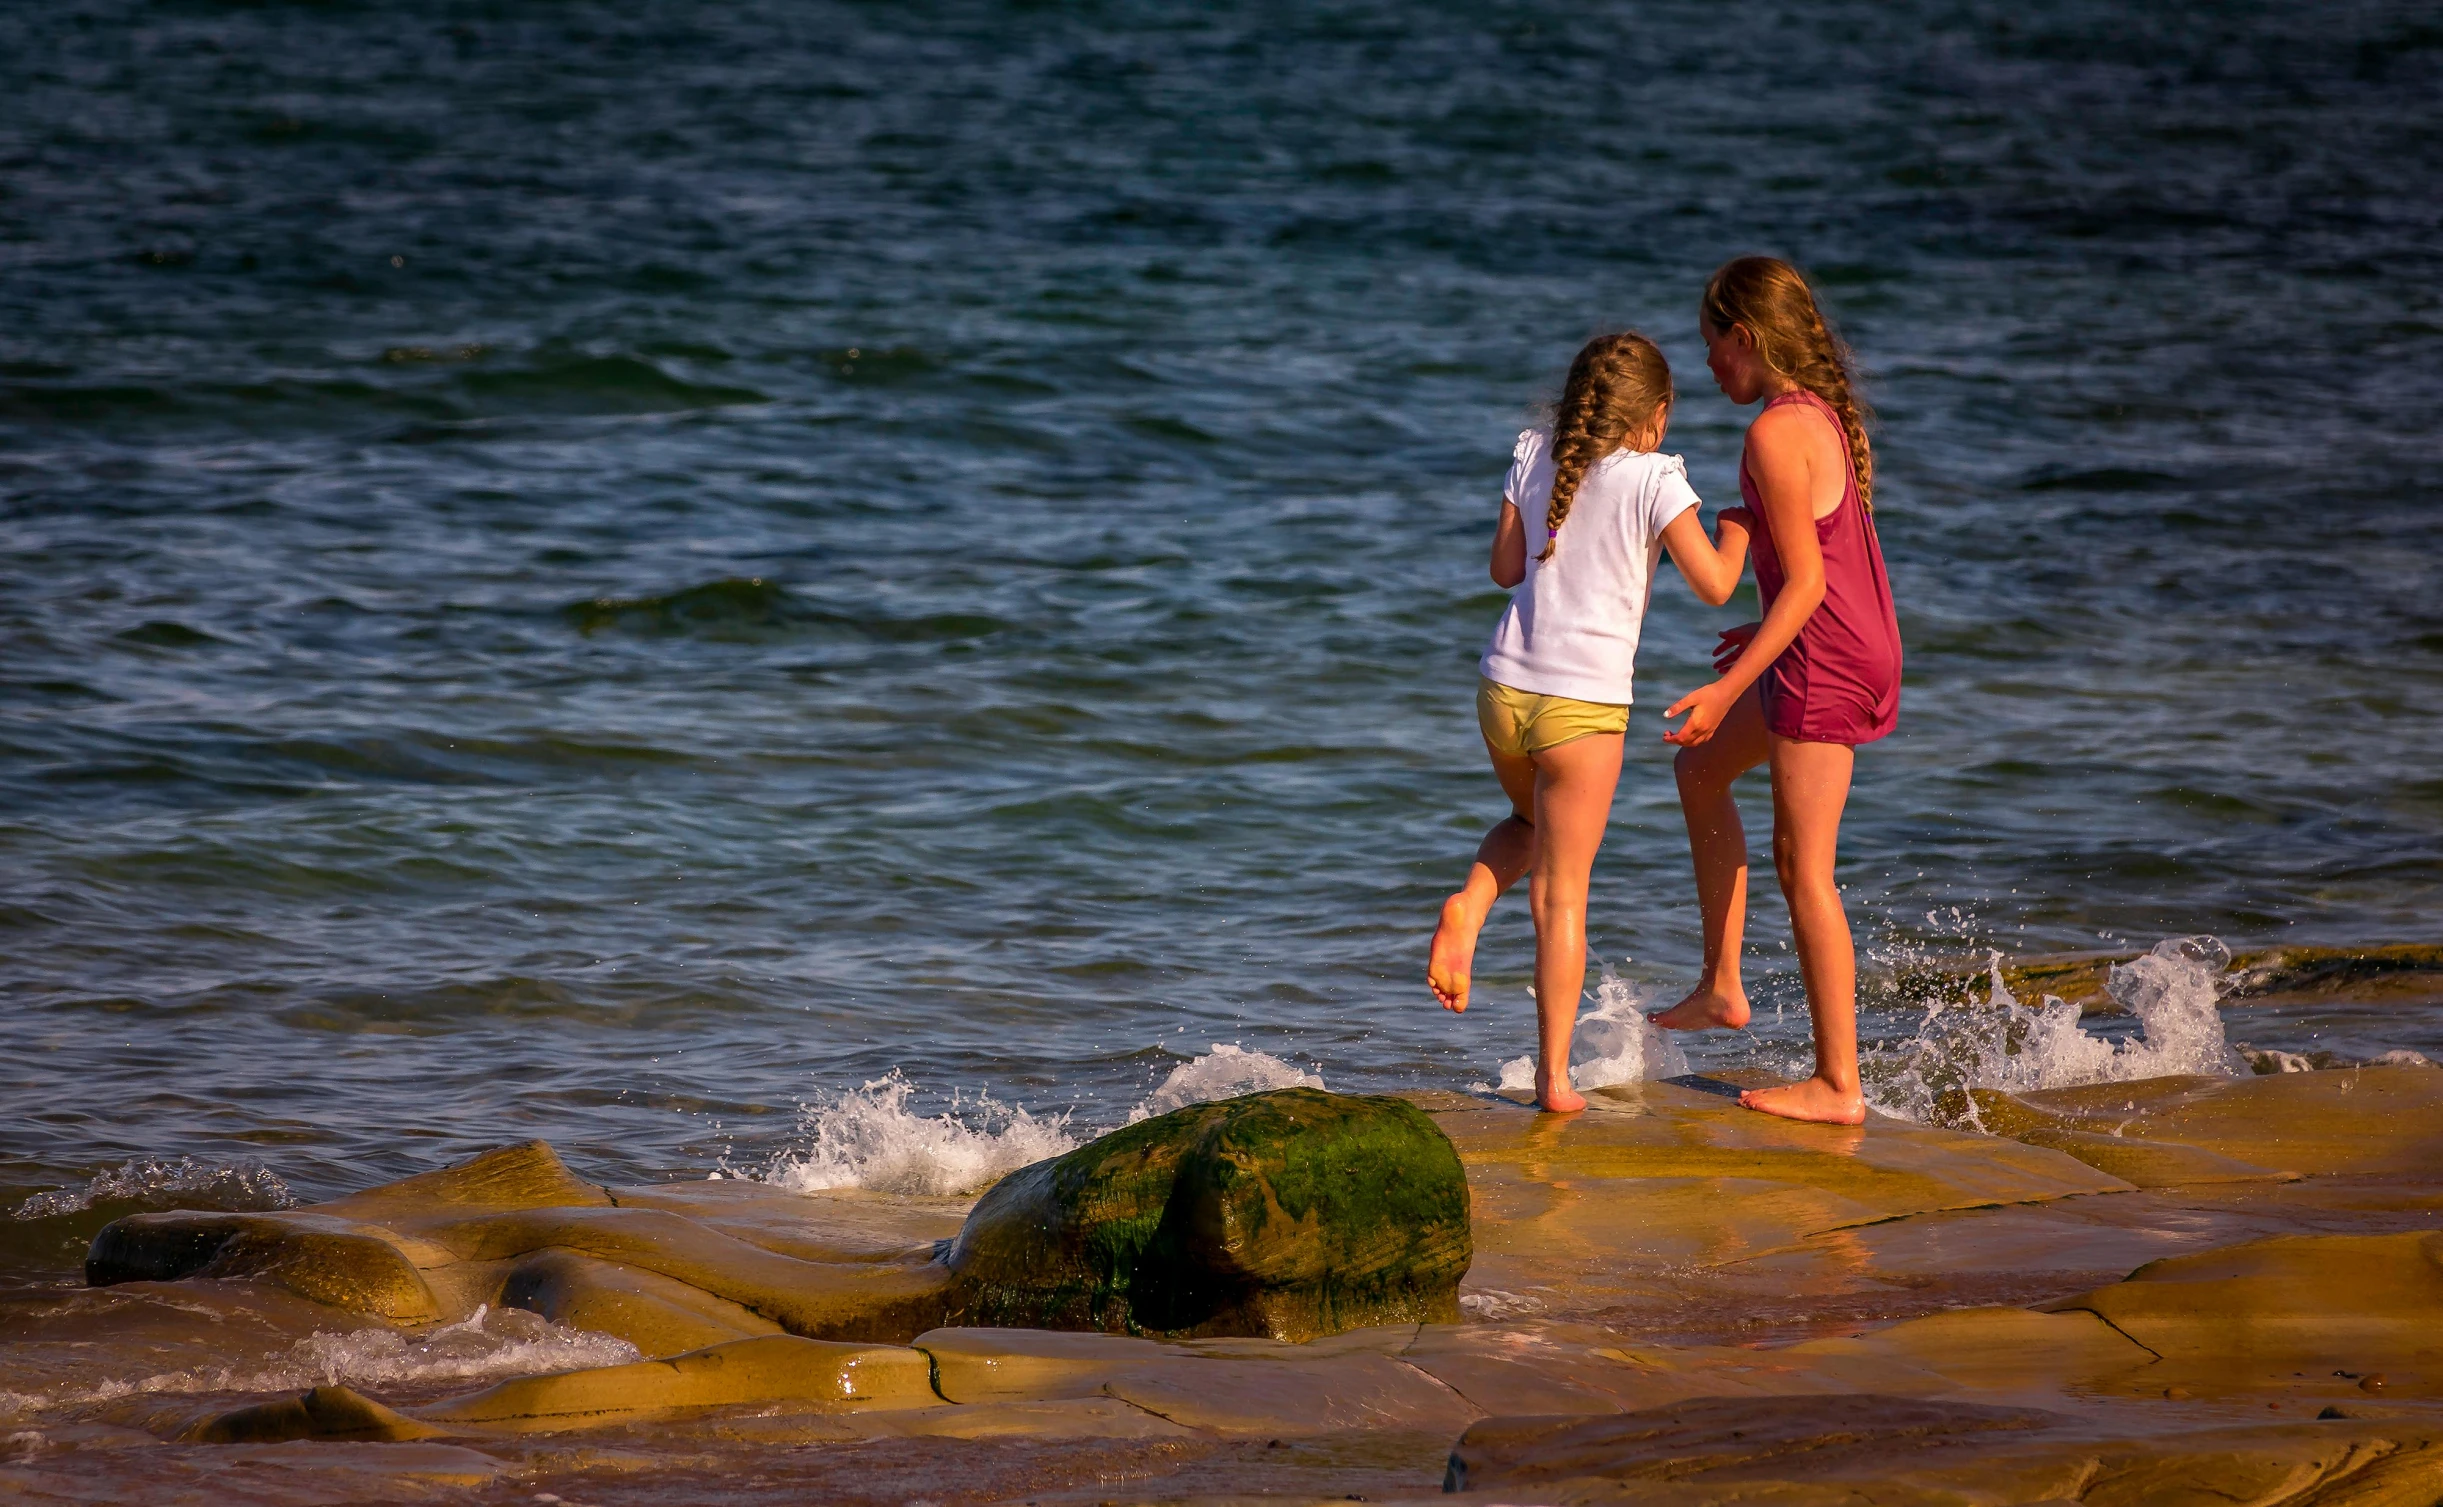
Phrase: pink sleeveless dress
(1839, 681)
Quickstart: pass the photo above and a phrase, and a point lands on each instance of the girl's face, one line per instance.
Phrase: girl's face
(1731, 356)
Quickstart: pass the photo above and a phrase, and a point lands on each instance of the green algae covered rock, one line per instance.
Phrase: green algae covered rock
(1293, 1214)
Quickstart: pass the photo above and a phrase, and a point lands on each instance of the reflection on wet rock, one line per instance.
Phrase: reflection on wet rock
(817, 1375)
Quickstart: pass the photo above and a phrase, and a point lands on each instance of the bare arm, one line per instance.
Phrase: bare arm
(1711, 566)
(1509, 547)
(1780, 457)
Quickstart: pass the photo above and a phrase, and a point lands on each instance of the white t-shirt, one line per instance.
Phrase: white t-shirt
(1571, 627)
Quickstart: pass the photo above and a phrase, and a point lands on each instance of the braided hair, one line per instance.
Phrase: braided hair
(1773, 300)
(1616, 386)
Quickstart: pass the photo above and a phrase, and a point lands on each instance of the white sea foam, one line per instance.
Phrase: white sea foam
(868, 1138)
(1495, 1304)
(2275, 1060)
(2003, 1044)
(1224, 1073)
(493, 1342)
(1613, 1043)
(222, 1185)
(490, 1344)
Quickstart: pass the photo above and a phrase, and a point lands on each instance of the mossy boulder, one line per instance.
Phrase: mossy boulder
(1293, 1214)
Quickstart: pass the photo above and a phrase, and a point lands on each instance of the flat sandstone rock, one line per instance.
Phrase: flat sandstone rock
(780, 1318)
(1841, 1451)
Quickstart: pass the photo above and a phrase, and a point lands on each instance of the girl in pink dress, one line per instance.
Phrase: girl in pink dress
(1803, 688)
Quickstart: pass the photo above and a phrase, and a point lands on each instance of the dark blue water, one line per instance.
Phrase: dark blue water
(590, 570)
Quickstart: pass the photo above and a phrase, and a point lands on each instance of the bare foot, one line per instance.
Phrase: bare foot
(1813, 1100)
(1703, 1010)
(1454, 953)
(1558, 1097)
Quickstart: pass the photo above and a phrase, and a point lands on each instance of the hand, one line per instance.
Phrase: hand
(1706, 706)
(1734, 518)
(1731, 646)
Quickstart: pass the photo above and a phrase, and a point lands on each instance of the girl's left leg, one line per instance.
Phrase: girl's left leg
(1717, 847)
(1810, 791)
(1573, 803)
(1502, 859)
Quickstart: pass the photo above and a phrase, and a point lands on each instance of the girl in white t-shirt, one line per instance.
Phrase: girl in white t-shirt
(1554, 702)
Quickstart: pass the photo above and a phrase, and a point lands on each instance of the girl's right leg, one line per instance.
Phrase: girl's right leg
(1810, 791)
(1717, 843)
(1573, 803)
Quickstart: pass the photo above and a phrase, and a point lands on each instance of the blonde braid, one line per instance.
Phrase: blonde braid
(1772, 298)
(1823, 369)
(1616, 386)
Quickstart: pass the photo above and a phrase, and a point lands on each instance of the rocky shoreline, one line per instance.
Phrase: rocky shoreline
(2169, 1290)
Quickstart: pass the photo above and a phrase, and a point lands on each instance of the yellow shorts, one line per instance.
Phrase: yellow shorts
(1519, 723)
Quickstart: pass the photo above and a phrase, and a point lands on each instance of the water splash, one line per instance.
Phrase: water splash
(1614, 1042)
(2003, 1044)
(218, 1185)
(868, 1138)
(1224, 1073)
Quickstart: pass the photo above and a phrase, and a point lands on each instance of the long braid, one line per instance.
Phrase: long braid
(1773, 300)
(1823, 368)
(1616, 385)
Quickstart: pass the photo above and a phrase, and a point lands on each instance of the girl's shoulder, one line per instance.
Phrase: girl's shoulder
(1641, 466)
(1529, 459)
(1797, 412)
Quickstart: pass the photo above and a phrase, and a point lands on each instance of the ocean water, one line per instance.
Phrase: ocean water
(621, 572)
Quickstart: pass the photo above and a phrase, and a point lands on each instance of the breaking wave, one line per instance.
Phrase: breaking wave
(219, 1185)
(868, 1138)
(492, 1342)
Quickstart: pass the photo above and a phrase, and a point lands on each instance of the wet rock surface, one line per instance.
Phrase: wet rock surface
(2167, 1290)
(1293, 1214)
(662, 1271)
(1833, 1451)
